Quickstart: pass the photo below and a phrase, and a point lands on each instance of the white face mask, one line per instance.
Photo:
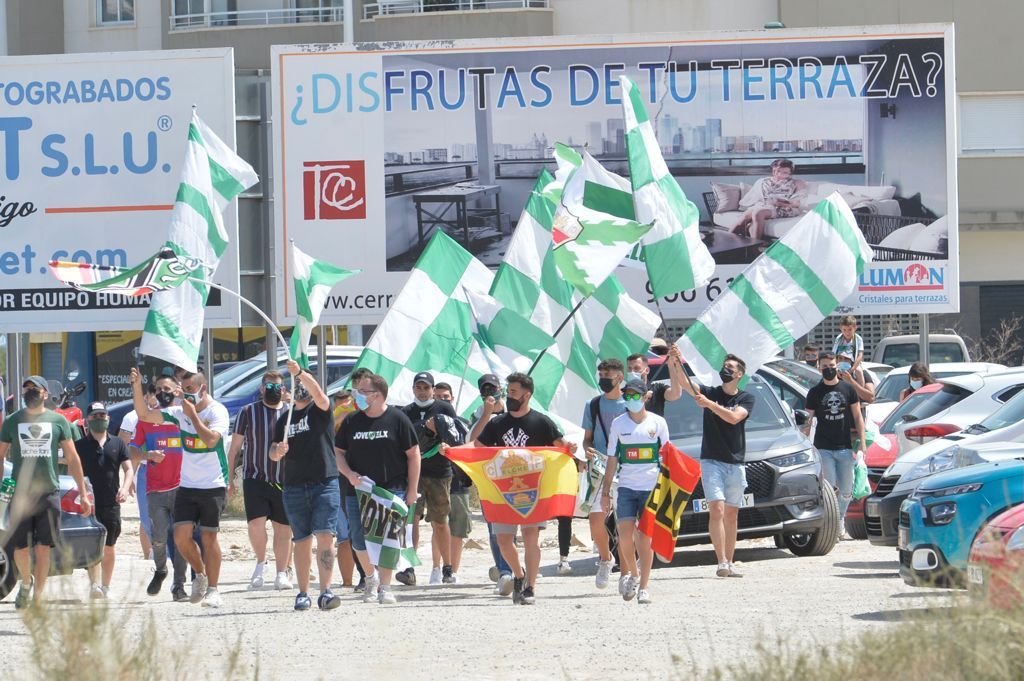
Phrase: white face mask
(424, 403)
(916, 383)
(634, 376)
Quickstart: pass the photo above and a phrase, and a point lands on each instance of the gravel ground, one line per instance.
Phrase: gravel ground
(462, 631)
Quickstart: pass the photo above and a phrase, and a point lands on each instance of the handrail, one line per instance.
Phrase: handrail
(391, 7)
(256, 17)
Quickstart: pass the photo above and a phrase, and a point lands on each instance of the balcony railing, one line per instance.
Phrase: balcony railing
(390, 7)
(256, 17)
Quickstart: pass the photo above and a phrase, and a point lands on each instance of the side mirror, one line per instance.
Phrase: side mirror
(78, 389)
(907, 418)
(801, 416)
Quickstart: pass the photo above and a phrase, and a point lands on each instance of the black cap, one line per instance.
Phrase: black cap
(95, 407)
(424, 377)
(636, 385)
(488, 379)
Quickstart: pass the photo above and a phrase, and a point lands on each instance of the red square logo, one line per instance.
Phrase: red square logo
(334, 190)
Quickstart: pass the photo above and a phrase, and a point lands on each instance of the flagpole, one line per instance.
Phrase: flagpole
(465, 370)
(557, 331)
(664, 325)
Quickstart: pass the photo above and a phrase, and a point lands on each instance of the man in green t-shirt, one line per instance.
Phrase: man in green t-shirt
(35, 438)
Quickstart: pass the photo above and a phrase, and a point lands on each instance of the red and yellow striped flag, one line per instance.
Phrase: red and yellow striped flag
(521, 485)
(663, 512)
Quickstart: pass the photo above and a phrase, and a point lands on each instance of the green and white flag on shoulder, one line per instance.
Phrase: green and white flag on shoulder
(385, 520)
(589, 237)
(314, 280)
(212, 175)
(782, 295)
(675, 256)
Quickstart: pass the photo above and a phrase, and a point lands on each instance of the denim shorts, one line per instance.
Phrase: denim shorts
(343, 531)
(312, 508)
(355, 521)
(630, 503)
(723, 481)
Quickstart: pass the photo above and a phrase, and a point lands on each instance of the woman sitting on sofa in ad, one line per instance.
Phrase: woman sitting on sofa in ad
(781, 197)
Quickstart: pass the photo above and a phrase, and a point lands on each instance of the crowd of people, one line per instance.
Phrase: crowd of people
(300, 467)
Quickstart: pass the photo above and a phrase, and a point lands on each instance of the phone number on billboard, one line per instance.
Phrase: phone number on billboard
(711, 291)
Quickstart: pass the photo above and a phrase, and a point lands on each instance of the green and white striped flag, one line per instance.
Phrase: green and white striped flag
(782, 295)
(589, 239)
(508, 341)
(676, 258)
(385, 520)
(212, 175)
(313, 281)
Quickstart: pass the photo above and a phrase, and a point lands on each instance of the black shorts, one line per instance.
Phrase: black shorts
(263, 500)
(41, 522)
(201, 507)
(110, 518)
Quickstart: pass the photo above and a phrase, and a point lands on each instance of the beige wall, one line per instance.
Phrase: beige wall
(452, 25)
(83, 33)
(35, 26)
(587, 17)
(992, 255)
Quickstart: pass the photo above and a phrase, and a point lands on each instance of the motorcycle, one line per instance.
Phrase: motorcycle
(64, 401)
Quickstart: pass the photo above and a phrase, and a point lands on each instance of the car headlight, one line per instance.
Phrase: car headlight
(1016, 540)
(942, 513)
(793, 460)
(951, 491)
(933, 464)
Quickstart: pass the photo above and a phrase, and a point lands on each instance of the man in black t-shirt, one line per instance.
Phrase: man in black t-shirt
(378, 442)
(520, 426)
(722, 451)
(435, 479)
(104, 458)
(311, 496)
(637, 368)
(835, 405)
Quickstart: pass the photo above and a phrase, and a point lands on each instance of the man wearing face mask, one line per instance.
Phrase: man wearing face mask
(35, 437)
(639, 369)
(262, 479)
(722, 452)
(200, 499)
(435, 479)
(156, 449)
(811, 355)
(835, 405)
(104, 458)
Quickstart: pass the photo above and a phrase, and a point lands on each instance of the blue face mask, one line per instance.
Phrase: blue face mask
(634, 405)
(845, 366)
(361, 402)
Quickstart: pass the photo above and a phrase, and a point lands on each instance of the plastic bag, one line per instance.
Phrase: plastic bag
(861, 488)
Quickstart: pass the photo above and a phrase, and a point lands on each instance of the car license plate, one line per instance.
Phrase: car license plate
(975, 575)
(701, 505)
(871, 509)
(904, 538)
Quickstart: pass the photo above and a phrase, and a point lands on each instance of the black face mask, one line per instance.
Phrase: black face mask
(606, 385)
(829, 373)
(811, 362)
(725, 374)
(514, 404)
(272, 395)
(33, 397)
(164, 399)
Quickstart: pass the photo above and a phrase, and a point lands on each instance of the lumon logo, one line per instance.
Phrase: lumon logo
(913, 277)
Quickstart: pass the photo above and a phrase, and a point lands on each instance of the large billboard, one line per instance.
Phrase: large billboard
(91, 147)
(378, 146)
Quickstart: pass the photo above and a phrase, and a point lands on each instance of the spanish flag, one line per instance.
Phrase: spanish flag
(521, 485)
(663, 513)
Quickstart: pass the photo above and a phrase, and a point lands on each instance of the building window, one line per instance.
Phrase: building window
(116, 11)
(992, 124)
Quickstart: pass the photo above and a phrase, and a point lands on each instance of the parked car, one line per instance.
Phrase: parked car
(942, 518)
(785, 497)
(79, 542)
(790, 380)
(900, 351)
(887, 393)
(878, 370)
(995, 565)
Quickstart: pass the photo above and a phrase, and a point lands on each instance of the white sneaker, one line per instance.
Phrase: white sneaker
(630, 588)
(435, 576)
(455, 578)
(372, 585)
(385, 597)
(643, 597)
(256, 581)
(281, 582)
(843, 536)
(563, 567)
(504, 587)
(97, 591)
(733, 572)
(723, 570)
(212, 598)
(604, 573)
(199, 586)
(622, 583)
(493, 573)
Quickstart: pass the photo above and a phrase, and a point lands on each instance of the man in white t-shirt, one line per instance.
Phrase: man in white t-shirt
(201, 496)
(634, 443)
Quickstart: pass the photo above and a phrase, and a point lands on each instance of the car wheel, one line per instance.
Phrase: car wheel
(780, 543)
(856, 528)
(8, 573)
(823, 540)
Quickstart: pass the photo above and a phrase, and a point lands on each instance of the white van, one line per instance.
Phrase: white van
(899, 351)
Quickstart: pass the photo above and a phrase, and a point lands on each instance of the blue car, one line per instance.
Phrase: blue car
(940, 520)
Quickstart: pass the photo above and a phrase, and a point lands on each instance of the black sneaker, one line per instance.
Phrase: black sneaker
(527, 597)
(158, 581)
(361, 586)
(179, 594)
(302, 601)
(328, 601)
(406, 576)
(446, 575)
(517, 590)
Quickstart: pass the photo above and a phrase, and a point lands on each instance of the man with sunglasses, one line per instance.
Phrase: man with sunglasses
(262, 478)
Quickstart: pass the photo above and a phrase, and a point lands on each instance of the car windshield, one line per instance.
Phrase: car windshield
(894, 384)
(1007, 415)
(234, 372)
(904, 354)
(251, 386)
(685, 419)
(806, 376)
(923, 405)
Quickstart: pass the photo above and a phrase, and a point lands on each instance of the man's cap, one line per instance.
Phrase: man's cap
(659, 343)
(489, 379)
(95, 407)
(37, 381)
(636, 385)
(424, 377)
